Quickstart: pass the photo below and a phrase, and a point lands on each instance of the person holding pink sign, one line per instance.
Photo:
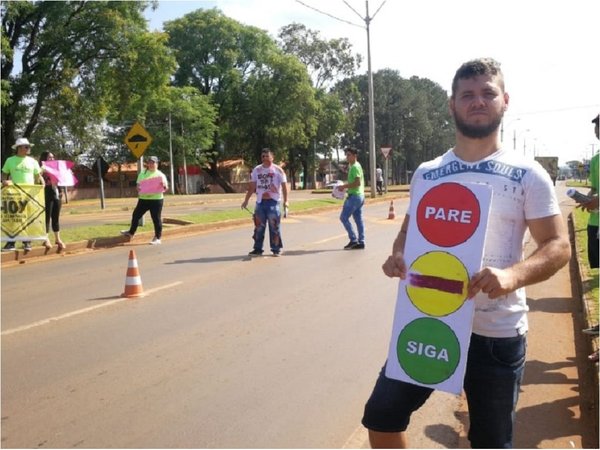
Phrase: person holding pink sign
(53, 204)
(152, 184)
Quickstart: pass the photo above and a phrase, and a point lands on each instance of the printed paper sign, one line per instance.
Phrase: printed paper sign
(433, 317)
(23, 213)
(152, 185)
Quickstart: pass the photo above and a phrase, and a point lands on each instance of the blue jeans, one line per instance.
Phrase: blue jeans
(353, 208)
(493, 377)
(495, 368)
(268, 212)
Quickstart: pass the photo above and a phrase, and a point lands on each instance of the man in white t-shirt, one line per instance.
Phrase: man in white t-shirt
(523, 198)
(269, 182)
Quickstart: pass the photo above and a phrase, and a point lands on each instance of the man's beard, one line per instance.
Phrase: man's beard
(477, 131)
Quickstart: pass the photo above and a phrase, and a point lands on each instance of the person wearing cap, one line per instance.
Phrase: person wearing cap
(21, 169)
(151, 184)
(355, 188)
(592, 205)
(592, 228)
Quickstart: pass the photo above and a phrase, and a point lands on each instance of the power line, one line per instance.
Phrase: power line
(329, 15)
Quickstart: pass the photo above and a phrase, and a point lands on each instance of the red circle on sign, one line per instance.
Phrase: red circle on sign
(448, 214)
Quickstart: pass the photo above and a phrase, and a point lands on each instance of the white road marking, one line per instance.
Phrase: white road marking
(81, 311)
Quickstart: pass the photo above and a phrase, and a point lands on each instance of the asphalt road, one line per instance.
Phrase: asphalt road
(225, 351)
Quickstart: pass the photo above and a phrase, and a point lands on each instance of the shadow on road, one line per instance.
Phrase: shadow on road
(535, 419)
(562, 305)
(248, 258)
(539, 372)
(443, 434)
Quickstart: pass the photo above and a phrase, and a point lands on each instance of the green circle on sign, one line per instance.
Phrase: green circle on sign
(428, 350)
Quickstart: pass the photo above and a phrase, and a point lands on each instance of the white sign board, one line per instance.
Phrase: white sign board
(433, 317)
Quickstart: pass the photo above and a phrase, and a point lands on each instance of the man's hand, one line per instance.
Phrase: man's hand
(591, 205)
(493, 282)
(244, 204)
(395, 266)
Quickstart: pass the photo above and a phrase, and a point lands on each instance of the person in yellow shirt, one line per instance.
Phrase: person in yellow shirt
(151, 184)
(21, 169)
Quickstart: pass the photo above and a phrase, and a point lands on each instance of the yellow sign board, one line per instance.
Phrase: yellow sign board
(138, 139)
(23, 212)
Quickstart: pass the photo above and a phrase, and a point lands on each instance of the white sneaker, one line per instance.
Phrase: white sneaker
(155, 241)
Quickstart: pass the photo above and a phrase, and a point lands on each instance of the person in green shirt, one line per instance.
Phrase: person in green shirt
(354, 202)
(151, 184)
(592, 205)
(21, 169)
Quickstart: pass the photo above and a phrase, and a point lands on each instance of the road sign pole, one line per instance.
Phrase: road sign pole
(140, 168)
(101, 184)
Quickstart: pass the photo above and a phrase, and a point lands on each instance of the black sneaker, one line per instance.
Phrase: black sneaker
(276, 254)
(255, 253)
(9, 247)
(358, 246)
(350, 245)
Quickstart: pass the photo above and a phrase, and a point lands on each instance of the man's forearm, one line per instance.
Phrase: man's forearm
(544, 262)
(400, 240)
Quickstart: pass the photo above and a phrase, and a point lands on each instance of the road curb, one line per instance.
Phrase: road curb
(592, 343)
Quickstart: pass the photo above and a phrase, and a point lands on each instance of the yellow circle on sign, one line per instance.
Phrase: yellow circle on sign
(437, 283)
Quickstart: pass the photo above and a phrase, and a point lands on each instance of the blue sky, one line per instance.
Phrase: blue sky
(549, 50)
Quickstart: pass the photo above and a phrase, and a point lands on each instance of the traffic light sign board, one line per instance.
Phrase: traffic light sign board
(432, 321)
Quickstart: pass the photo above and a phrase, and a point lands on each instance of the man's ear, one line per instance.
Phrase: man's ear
(451, 106)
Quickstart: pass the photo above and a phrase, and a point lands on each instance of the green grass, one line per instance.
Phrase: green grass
(575, 183)
(102, 231)
(589, 276)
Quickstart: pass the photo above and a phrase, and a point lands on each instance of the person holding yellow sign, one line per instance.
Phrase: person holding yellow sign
(21, 169)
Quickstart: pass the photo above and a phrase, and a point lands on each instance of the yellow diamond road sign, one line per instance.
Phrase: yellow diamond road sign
(138, 139)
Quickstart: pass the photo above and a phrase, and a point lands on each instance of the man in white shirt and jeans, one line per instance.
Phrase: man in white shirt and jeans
(523, 198)
(269, 182)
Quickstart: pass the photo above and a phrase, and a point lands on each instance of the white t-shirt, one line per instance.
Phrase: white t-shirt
(521, 190)
(268, 179)
(379, 174)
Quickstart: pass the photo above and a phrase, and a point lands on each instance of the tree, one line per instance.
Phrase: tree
(263, 97)
(326, 60)
(411, 116)
(80, 62)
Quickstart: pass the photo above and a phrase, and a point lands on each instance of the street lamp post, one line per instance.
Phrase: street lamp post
(371, 108)
(372, 155)
(171, 156)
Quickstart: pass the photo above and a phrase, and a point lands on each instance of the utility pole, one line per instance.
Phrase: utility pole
(372, 155)
(171, 157)
(371, 108)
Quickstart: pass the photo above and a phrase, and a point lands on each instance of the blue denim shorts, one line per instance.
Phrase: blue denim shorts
(493, 377)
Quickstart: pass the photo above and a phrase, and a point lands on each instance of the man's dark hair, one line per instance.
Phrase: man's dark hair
(475, 67)
(266, 150)
(351, 150)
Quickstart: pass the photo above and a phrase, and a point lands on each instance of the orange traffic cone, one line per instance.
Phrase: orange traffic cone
(133, 281)
(391, 214)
